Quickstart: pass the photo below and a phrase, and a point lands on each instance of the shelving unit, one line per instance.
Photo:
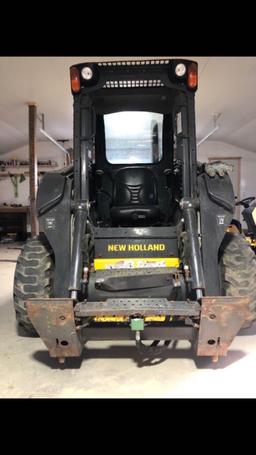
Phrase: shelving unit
(41, 169)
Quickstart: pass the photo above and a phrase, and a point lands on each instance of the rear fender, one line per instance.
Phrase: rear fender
(54, 213)
(217, 204)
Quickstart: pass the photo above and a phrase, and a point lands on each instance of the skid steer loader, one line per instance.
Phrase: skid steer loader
(133, 243)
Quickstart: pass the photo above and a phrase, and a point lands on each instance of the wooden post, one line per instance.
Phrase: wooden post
(33, 176)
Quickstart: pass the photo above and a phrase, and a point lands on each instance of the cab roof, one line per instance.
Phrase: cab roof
(139, 74)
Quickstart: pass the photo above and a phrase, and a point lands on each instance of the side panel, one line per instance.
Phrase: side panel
(55, 222)
(217, 205)
(141, 242)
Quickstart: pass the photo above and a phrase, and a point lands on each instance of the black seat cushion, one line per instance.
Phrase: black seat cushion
(135, 194)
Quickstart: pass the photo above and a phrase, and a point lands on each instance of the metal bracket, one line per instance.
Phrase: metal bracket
(54, 321)
(221, 319)
(139, 306)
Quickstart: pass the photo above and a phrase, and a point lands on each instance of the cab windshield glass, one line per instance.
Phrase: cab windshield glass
(133, 137)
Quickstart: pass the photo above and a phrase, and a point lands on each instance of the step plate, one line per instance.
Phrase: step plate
(141, 306)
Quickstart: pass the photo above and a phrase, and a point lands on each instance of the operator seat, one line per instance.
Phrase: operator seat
(135, 195)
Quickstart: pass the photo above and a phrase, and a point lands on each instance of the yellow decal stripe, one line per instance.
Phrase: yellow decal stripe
(127, 318)
(111, 318)
(154, 318)
(101, 264)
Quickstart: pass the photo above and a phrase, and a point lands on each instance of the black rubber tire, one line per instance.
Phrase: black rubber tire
(238, 271)
(33, 278)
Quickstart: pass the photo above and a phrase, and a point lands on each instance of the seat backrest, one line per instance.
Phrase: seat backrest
(134, 186)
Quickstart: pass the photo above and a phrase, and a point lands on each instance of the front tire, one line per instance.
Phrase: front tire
(238, 271)
(33, 278)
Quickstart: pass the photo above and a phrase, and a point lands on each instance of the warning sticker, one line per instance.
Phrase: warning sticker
(139, 263)
(130, 263)
(179, 123)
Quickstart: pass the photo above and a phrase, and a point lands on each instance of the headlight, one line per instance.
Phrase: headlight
(180, 69)
(87, 73)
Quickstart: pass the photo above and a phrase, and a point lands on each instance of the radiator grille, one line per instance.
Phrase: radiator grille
(133, 84)
(135, 63)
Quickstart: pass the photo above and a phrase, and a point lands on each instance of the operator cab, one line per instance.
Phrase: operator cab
(133, 168)
(131, 122)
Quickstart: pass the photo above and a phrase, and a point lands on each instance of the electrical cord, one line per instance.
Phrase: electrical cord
(153, 350)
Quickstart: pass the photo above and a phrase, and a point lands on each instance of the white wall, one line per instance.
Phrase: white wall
(45, 151)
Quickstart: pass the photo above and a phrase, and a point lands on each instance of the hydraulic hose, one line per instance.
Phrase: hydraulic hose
(195, 260)
(153, 350)
(76, 260)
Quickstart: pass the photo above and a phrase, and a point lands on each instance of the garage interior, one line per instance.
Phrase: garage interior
(36, 130)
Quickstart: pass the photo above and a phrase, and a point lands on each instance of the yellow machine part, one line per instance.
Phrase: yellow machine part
(111, 319)
(126, 318)
(251, 241)
(133, 263)
(154, 318)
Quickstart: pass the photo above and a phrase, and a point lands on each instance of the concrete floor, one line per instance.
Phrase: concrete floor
(114, 369)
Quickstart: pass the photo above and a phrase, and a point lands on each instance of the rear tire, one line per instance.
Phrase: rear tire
(33, 278)
(238, 271)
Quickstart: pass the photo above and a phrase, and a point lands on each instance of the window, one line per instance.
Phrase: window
(133, 137)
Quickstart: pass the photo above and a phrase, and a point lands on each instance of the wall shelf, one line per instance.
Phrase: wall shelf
(27, 166)
(40, 167)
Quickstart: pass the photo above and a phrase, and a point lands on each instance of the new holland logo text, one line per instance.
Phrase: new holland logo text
(137, 247)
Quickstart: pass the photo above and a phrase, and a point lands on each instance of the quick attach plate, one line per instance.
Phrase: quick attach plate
(54, 321)
(221, 320)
